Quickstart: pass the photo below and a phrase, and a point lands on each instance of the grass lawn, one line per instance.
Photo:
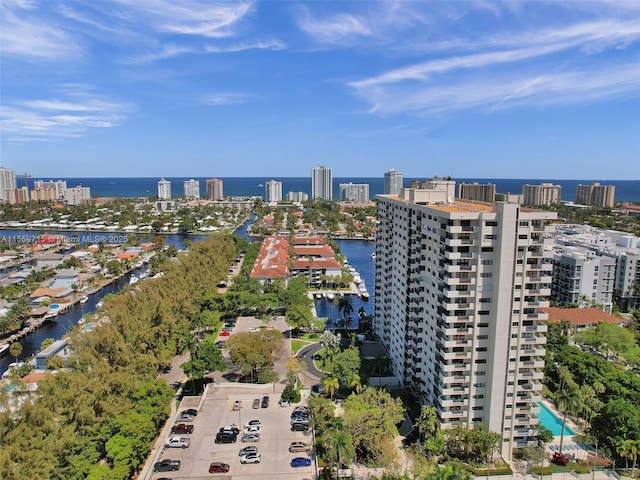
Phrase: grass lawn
(297, 344)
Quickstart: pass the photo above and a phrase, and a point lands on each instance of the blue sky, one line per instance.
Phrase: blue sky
(471, 89)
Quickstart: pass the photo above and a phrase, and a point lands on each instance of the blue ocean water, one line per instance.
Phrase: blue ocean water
(626, 190)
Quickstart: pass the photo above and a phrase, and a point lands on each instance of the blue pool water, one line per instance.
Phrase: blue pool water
(553, 423)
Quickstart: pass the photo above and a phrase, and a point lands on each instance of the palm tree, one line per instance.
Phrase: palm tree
(330, 384)
(630, 449)
(339, 446)
(344, 306)
(567, 400)
(428, 422)
(356, 383)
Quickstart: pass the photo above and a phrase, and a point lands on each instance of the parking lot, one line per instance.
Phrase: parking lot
(216, 411)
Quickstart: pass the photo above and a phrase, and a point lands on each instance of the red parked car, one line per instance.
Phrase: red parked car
(181, 429)
(218, 467)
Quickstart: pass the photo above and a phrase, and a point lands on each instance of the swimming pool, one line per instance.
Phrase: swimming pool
(553, 423)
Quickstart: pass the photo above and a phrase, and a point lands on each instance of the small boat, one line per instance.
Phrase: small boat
(99, 304)
(84, 299)
(330, 296)
(373, 255)
(318, 295)
(133, 280)
(3, 348)
(81, 321)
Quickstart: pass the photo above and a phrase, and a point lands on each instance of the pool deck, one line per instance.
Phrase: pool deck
(570, 446)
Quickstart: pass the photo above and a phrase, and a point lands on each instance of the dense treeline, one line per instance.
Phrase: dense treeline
(608, 395)
(97, 417)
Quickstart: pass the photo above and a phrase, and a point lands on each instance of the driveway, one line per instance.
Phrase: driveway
(306, 354)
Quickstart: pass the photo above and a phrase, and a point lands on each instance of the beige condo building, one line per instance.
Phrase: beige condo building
(459, 290)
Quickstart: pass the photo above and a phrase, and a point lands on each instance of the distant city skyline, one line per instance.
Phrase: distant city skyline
(467, 89)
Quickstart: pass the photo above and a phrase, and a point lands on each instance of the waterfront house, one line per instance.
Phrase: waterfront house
(49, 260)
(66, 278)
(58, 348)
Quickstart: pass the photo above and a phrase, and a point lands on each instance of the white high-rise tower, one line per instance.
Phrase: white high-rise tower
(458, 295)
(322, 183)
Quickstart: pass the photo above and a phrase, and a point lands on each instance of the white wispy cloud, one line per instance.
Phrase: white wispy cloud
(503, 71)
(54, 119)
(224, 98)
(507, 90)
(27, 36)
(188, 17)
(336, 28)
(171, 50)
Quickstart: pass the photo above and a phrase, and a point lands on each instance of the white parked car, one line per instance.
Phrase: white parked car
(253, 429)
(250, 458)
(177, 442)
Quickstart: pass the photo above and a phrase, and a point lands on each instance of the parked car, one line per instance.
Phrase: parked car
(226, 437)
(230, 429)
(299, 447)
(299, 421)
(247, 450)
(237, 405)
(302, 408)
(250, 458)
(184, 417)
(319, 389)
(250, 437)
(253, 330)
(265, 402)
(253, 429)
(224, 334)
(177, 442)
(300, 414)
(299, 427)
(284, 403)
(181, 429)
(218, 467)
(167, 465)
(190, 411)
(253, 423)
(300, 462)
(256, 403)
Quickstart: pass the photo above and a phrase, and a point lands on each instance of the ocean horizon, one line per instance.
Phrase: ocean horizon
(129, 187)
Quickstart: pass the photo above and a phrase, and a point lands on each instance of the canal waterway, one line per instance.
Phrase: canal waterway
(63, 323)
(358, 253)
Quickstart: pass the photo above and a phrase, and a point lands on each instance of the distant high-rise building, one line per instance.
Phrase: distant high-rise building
(77, 195)
(540, 195)
(44, 195)
(583, 277)
(164, 189)
(322, 183)
(297, 197)
(273, 191)
(58, 186)
(477, 192)
(8, 184)
(192, 189)
(214, 189)
(354, 192)
(392, 182)
(459, 287)
(595, 195)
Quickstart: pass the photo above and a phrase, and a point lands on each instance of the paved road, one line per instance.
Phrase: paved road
(306, 354)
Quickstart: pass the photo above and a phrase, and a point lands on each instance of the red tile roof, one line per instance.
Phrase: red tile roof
(273, 259)
(308, 240)
(313, 250)
(316, 263)
(581, 316)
